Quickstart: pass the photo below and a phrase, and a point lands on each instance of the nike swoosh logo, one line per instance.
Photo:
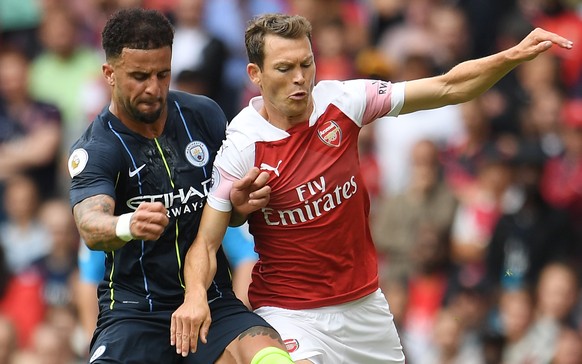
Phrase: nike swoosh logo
(136, 171)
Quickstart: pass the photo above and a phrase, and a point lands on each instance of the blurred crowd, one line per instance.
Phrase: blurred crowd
(476, 209)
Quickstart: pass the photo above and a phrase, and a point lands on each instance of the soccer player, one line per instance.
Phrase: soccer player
(140, 176)
(316, 280)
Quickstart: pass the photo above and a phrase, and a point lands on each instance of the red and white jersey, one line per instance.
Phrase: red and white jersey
(313, 240)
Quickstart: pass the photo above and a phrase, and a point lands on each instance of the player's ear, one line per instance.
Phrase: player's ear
(107, 70)
(254, 72)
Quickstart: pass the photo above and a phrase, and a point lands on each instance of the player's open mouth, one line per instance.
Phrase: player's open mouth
(298, 95)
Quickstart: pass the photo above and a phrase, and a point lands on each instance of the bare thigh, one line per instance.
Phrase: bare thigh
(243, 348)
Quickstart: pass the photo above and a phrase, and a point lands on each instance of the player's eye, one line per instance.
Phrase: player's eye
(140, 76)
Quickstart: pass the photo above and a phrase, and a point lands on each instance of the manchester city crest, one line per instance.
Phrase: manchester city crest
(197, 153)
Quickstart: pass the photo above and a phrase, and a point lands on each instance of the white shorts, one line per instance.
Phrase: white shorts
(362, 331)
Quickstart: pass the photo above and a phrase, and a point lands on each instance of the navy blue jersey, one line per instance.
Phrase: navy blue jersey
(174, 169)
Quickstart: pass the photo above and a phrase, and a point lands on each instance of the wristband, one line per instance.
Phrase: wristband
(122, 229)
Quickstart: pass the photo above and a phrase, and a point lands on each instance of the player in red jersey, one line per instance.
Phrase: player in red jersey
(316, 280)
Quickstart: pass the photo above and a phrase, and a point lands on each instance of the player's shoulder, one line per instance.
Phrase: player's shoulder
(335, 87)
(343, 94)
(193, 102)
(330, 91)
(249, 126)
(198, 108)
(97, 139)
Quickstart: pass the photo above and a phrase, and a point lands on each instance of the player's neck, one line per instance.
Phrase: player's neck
(284, 122)
(147, 130)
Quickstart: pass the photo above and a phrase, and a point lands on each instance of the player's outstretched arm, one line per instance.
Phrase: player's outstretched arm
(469, 79)
(101, 230)
(192, 319)
(249, 194)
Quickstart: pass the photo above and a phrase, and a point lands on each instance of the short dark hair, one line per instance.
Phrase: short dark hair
(136, 28)
(286, 26)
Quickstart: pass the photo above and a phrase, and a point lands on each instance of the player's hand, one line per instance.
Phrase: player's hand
(251, 192)
(149, 221)
(189, 322)
(538, 41)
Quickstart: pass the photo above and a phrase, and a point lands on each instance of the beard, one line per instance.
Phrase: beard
(143, 117)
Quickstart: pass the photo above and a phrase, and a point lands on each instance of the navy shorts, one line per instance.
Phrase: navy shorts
(132, 336)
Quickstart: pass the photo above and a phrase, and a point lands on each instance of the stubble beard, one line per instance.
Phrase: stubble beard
(146, 118)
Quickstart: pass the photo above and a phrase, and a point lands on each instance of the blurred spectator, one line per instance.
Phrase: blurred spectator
(556, 16)
(427, 285)
(540, 74)
(49, 344)
(369, 166)
(31, 145)
(384, 14)
(412, 35)
(503, 102)
(165, 6)
(226, 19)
(22, 235)
(93, 15)
(556, 293)
(449, 28)
(331, 55)
(525, 341)
(20, 300)
(470, 305)
(396, 292)
(426, 200)
(65, 321)
(568, 348)
(540, 126)
(8, 340)
(462, 156)
(483, 20)
(195, 51)
(493, 344)
(66, 73)
(562, 176)
(19, 20)
(59, 266)
(351, 13)
(194, 82)
(449, 344)
(535, 337)
(527, 238)
(395, 137)
(476, 215)
(91, 269)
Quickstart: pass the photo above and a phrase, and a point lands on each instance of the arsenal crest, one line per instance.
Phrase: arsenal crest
(330, 133)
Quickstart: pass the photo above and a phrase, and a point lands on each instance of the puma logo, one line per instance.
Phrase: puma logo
(266, 167)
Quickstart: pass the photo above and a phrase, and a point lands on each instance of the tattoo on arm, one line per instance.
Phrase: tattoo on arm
(96, 223)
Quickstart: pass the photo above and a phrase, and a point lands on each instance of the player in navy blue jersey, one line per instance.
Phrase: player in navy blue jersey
(140, 176)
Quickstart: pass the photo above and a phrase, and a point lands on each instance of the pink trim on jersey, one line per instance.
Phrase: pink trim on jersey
(378, 100)
(222, 191)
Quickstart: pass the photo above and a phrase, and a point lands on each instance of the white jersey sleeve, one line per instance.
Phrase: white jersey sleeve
(361, 100)
(237, 155)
